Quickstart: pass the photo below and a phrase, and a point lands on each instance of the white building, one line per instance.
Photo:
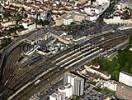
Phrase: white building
(68, 20)
(117, 20)
(99, 7)
(127, 3)
(67, 89)
(76, 82)
(57, 96)
(125, 78)
(43, 16)
(62, 93)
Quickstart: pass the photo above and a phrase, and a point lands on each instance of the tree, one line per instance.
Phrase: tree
(37, 16)
(18, 17)
(5, 42)
(75, 98)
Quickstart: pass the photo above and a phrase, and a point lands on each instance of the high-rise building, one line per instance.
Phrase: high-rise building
(73, 85)
(62, 93)
(67, 89)
(76, 82)
(57, 96)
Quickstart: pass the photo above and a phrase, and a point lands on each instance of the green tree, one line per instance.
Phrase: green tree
(18, 17)
(36, 19)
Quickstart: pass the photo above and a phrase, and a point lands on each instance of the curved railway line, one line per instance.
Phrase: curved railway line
(81, 54)
(55, 72)
(40, 67)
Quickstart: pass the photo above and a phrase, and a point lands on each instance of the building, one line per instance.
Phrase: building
(57, 96)
(95, 11)
(68, 19)
(2, 10)
(127, 3)
(117, 20)
(62, 93)
(67, 89)
(125, 78)
(76, 82)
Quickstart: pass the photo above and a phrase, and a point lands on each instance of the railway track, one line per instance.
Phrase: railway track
(40, 67)
(60, 59)
(93, 51)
